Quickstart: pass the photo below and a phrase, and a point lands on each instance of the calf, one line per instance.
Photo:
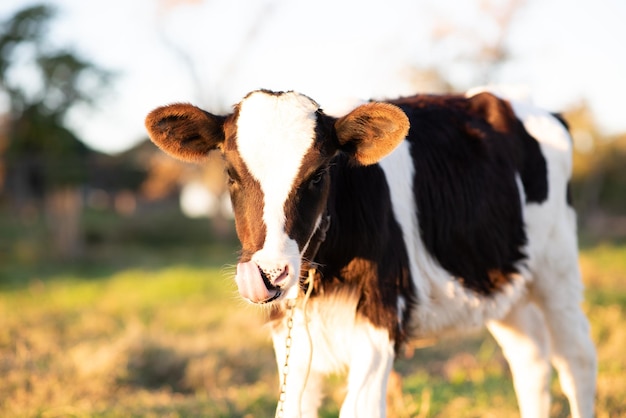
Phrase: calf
(402, 219)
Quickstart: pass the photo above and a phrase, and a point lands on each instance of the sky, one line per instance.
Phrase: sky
(212, 52)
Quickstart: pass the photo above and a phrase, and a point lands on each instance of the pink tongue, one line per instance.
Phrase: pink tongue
(250, 283)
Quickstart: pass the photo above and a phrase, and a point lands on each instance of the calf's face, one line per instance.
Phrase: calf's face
(277, 148)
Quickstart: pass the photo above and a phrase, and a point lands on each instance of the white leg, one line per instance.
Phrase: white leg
(573, 352)
(303, 391)
(524, 339)
(370, 364)
(558, 291)
(574, 357)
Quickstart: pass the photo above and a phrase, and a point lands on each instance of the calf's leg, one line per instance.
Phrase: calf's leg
(558, 291)
(371, 359)
(302, 384)
(524, 340)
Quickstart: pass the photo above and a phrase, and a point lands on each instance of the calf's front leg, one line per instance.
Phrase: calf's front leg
(330, 344)
(371, 359)
(300, 384)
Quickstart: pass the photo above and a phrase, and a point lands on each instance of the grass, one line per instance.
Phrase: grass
(137, 343)
(160, 332)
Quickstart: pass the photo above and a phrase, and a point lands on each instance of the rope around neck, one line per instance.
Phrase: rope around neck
(291, 305)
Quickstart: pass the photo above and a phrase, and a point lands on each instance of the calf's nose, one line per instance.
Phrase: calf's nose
(275, 276)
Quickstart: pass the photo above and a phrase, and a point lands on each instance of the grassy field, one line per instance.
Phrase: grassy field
(162, 333)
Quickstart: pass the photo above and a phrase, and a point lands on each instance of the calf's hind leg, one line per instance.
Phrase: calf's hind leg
(524, 340)
(573, 352)
(558, 292)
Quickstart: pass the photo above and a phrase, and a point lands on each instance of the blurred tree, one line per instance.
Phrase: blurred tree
(481, 53)
(598, 179)
(45, 162)
(588, 174)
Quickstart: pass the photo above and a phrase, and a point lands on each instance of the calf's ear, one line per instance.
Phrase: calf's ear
(185, 131)
(371, 131)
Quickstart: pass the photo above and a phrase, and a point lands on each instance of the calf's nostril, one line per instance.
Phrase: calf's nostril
(266, 280)
(274, 277)
(281, 276)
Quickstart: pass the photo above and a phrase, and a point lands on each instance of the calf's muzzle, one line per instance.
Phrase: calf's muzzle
(258, 285)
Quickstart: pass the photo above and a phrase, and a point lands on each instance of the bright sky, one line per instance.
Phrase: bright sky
(562, 51)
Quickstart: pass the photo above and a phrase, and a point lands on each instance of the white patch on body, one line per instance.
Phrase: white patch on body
(443, 304)
(274, 132)
(556, 147)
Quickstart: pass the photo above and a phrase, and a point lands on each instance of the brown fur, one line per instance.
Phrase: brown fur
(495, 111)
(185, 131)
(373, 129)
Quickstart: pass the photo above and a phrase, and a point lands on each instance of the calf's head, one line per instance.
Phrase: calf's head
(277, 148)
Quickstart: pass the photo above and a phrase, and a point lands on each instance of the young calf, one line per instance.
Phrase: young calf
(459, 221)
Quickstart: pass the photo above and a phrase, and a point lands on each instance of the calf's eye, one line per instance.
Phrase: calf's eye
(316, 179)
(231, 177)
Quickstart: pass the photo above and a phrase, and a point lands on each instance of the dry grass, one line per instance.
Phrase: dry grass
(176, 342)
(135, 344)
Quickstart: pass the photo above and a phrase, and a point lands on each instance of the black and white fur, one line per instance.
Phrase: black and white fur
(461, 221)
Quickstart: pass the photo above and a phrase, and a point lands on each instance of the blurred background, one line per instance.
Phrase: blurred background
(113, 296)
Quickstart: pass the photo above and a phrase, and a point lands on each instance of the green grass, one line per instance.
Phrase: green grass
(159, 331)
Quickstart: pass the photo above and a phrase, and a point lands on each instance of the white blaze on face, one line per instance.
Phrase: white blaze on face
(274, 132)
